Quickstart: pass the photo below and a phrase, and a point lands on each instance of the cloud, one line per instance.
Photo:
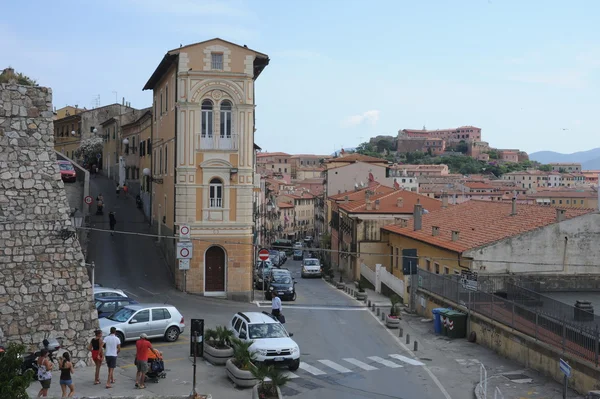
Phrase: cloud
(370, 117)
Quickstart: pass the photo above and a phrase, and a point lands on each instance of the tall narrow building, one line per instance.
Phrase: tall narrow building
(203, 162)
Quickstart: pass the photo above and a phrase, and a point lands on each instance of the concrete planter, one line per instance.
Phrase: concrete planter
(361, 296)
(241, 378)
(340, 286)
(215, 356)
(391, 322)
(255, 392)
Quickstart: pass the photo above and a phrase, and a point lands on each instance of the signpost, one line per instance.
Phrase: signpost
(184, 250)
(88, 200)
(184, 232)
(184, 264)
(98, 156)
(468, 280)
(566, 369)
(263, 256)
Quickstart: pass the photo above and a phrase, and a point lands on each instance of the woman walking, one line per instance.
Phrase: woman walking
(66, 369)
(112, 221)
(95, 346)
(44, 373)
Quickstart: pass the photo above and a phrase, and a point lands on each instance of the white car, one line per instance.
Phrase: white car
(311, 267)
(271, 342)
(101, 292)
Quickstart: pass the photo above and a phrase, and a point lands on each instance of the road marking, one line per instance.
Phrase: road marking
(166, 361)
(408, 360)
(290, 375)
(335, 366)
(149, 292)
(311, 369)
(385, 362)
(468, 362)
(360, 364)
(132, 348)
(130, 293)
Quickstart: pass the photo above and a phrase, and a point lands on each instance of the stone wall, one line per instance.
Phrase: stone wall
(44, 288)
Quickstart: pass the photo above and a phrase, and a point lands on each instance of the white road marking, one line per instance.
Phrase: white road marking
(311, 369)
(130, 293)
(290, 375)
(408, 360)
(468, 362)
(335, 366)
(385, 362)
(150, 292)
(360, 364)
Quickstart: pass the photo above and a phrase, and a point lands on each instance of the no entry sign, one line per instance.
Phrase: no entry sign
(263, 254)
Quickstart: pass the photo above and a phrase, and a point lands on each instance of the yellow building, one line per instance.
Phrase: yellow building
(67, 111)
(204, 161)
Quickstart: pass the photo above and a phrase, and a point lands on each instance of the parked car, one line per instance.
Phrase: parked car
(298, 254)
(282, 256)
(156, 320)
(67, 171)
(110, 304)
(271, 343)
(274, 257)
(260, 273)
(101, 292)
(282, 283)
(311, 267)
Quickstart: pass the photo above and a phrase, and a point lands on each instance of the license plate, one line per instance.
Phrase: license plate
(279, 359)
(280, 293)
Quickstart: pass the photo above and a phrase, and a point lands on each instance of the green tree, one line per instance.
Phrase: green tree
(13, 383)
(89, 149)
(385, 145)
(545, 168)
(493, 154)
(462, 147)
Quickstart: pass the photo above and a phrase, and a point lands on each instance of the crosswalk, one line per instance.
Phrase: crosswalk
(350, 365)
(468, 362)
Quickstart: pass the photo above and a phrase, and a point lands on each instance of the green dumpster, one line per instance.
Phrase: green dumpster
(444, 320)
(456, 324)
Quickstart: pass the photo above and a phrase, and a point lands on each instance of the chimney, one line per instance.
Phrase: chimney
(403, 223)
(376, 205)
(123, 100)
(514, 206)
(418, 216)
(345, 199)
(455, 235)
(560, 215)
(444, 200)
(400, 202)
(435, 231)
(369, 205)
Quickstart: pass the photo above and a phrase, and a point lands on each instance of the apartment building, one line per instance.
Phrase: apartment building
(278, 162)
(566, 167)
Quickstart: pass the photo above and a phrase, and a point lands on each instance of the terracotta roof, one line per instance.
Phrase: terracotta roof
(388, 203)
(284, 205)
(313, 180)
(564, 194)
(478, 185)
(311, 156)
(356, 158)
(481, 223)
(360, 194)
(270, 154)
(439, 130)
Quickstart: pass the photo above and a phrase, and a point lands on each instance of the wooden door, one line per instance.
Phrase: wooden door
(214, 270)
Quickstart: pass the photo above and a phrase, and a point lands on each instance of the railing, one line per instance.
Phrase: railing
(392, 282)
(483, 380)
(571, 337)
(217, 142)
(367, 273)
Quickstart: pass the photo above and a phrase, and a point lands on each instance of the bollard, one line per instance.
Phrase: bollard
(373, 307)
(369, 303)
(351, 292)
(407, 338)
(382, 316)
(416, 347)
(377, 311)
(400, 332)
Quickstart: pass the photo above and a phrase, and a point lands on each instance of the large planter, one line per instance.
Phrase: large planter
(392, 322)
(215, 356)
(241, 378)
(361, 296)
(340, 286)
(255, 392)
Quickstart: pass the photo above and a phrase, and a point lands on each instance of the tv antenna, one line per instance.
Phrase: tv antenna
(116, 97)
(96, 101)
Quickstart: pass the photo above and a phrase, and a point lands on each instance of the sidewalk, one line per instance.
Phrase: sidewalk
(457, 362)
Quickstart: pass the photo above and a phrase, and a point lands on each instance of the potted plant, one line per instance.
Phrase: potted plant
(361, 295)
(340, 284)
(392, 320)
(239, 367)
(270, 379)
(217, 345)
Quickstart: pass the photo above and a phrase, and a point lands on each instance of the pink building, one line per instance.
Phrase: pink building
(453, 135)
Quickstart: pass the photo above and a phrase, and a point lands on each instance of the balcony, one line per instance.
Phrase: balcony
(217, 143)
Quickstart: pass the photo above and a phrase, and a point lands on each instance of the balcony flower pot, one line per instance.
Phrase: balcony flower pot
(361, 296)
(256, 394)
(392, 322)
(241, 378)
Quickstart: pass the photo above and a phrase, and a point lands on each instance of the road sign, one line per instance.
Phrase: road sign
(263, 254)
(88, 200)
(184, 264)
(184, 249)
(469, 280)
(565, 368)
(98, 156)
(184, 232)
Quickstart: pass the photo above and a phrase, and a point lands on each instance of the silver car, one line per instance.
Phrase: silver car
(156, 320)
(311, 267)
(101, 292)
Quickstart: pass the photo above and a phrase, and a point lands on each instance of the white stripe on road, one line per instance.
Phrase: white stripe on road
(290, 375)
(386, 363)
(408, 360)
(360, 364)
(311, 369)
(335, 366)
(150, 292)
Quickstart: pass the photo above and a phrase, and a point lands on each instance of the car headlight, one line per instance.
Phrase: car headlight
(262, 352)
(304, 269)
(295, 350)
(271, 288)
(291, 289)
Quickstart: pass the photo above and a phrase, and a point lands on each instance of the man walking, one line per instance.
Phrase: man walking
(112, 348)
(112, 221)
(276, 306)
(141, 360)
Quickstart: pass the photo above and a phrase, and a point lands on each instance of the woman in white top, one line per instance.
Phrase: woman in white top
(44, 373)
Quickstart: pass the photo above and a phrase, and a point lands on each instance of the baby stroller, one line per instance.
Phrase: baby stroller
(156, 370)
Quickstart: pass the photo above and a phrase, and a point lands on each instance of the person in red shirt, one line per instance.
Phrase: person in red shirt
(141, 360)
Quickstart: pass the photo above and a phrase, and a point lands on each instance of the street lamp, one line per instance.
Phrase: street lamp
(73, 132)
(126, 141)
(146, 172)
(76, 218)
(95, 130)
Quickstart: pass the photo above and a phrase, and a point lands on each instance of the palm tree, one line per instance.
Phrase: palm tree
(276, 377)
(242, 357)
(223, 336)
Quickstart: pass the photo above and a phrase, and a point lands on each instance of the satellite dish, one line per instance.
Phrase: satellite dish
(355, 185)
(362, 184)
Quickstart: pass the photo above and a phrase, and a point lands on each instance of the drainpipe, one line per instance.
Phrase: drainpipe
(175, 162)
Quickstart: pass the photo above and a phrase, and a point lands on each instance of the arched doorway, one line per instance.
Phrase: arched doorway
(214, 270)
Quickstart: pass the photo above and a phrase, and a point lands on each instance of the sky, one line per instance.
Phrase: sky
(341, 71)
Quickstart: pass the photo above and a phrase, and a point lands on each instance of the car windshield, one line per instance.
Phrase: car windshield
(311, 262)
(281, 279)
(98, 304)
(260, 331)
(65, 166)
(122, 315)
(298, 252)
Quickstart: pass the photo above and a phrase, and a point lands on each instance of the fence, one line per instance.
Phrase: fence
(571, 337)
(392, 282)
(367, 273)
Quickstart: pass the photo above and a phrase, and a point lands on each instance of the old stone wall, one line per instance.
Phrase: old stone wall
(44, 287)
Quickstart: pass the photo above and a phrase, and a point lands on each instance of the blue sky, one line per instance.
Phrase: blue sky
(341, 71)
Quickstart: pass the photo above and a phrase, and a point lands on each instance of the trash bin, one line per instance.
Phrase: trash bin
(444, 320)
(456, 324)
(437, 320)
(584, 311)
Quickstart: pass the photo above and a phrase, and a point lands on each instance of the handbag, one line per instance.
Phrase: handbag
(281, 318)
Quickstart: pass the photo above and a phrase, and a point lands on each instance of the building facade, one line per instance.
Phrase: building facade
(454, 135)
(204, 161)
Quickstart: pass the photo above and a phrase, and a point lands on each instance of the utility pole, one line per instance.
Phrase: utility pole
(194, 394)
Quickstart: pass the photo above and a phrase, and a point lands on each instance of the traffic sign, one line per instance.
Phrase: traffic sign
(184, 232)
(469, 280)
(565, 368)
(263, 254)
(184, 250)
(184, 264)
(98, 156)
(88, 200)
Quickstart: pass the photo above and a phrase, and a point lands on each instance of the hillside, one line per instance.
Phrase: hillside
(587, 158)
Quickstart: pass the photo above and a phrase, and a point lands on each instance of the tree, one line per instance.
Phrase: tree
(462, 147)
(13, 383)
(89, 149)
(545, 168)
(385, 145)
(9, 74)
(493, 154)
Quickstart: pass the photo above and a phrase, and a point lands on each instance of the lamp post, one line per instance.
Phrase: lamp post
(147, 180)
(73, 133)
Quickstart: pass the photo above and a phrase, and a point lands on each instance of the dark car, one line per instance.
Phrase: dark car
(109, 305)
(274, 257)
(284, 284)
(297, 254)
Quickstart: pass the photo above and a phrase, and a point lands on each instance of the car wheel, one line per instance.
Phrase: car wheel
(294, 297)
(294, 365)
(121, 337)
(302, 275)
(172, 334)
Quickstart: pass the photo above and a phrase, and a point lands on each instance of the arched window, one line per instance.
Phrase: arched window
(226, 119)
(216, 193)
(207, 118)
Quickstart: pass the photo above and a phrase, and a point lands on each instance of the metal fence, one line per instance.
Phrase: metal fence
(538, 322)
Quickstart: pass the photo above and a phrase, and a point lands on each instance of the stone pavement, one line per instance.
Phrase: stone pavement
(457, 363)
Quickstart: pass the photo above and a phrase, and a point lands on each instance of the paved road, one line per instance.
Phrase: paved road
(345, 352)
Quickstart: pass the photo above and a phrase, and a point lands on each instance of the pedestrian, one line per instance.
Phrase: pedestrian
(66, 369)
(96, 345)
(112, 345)
(112, 221)
(276, 305)
(141, 360)
(44, 372)
(118, 190)
(99, 204)
(125, 189)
